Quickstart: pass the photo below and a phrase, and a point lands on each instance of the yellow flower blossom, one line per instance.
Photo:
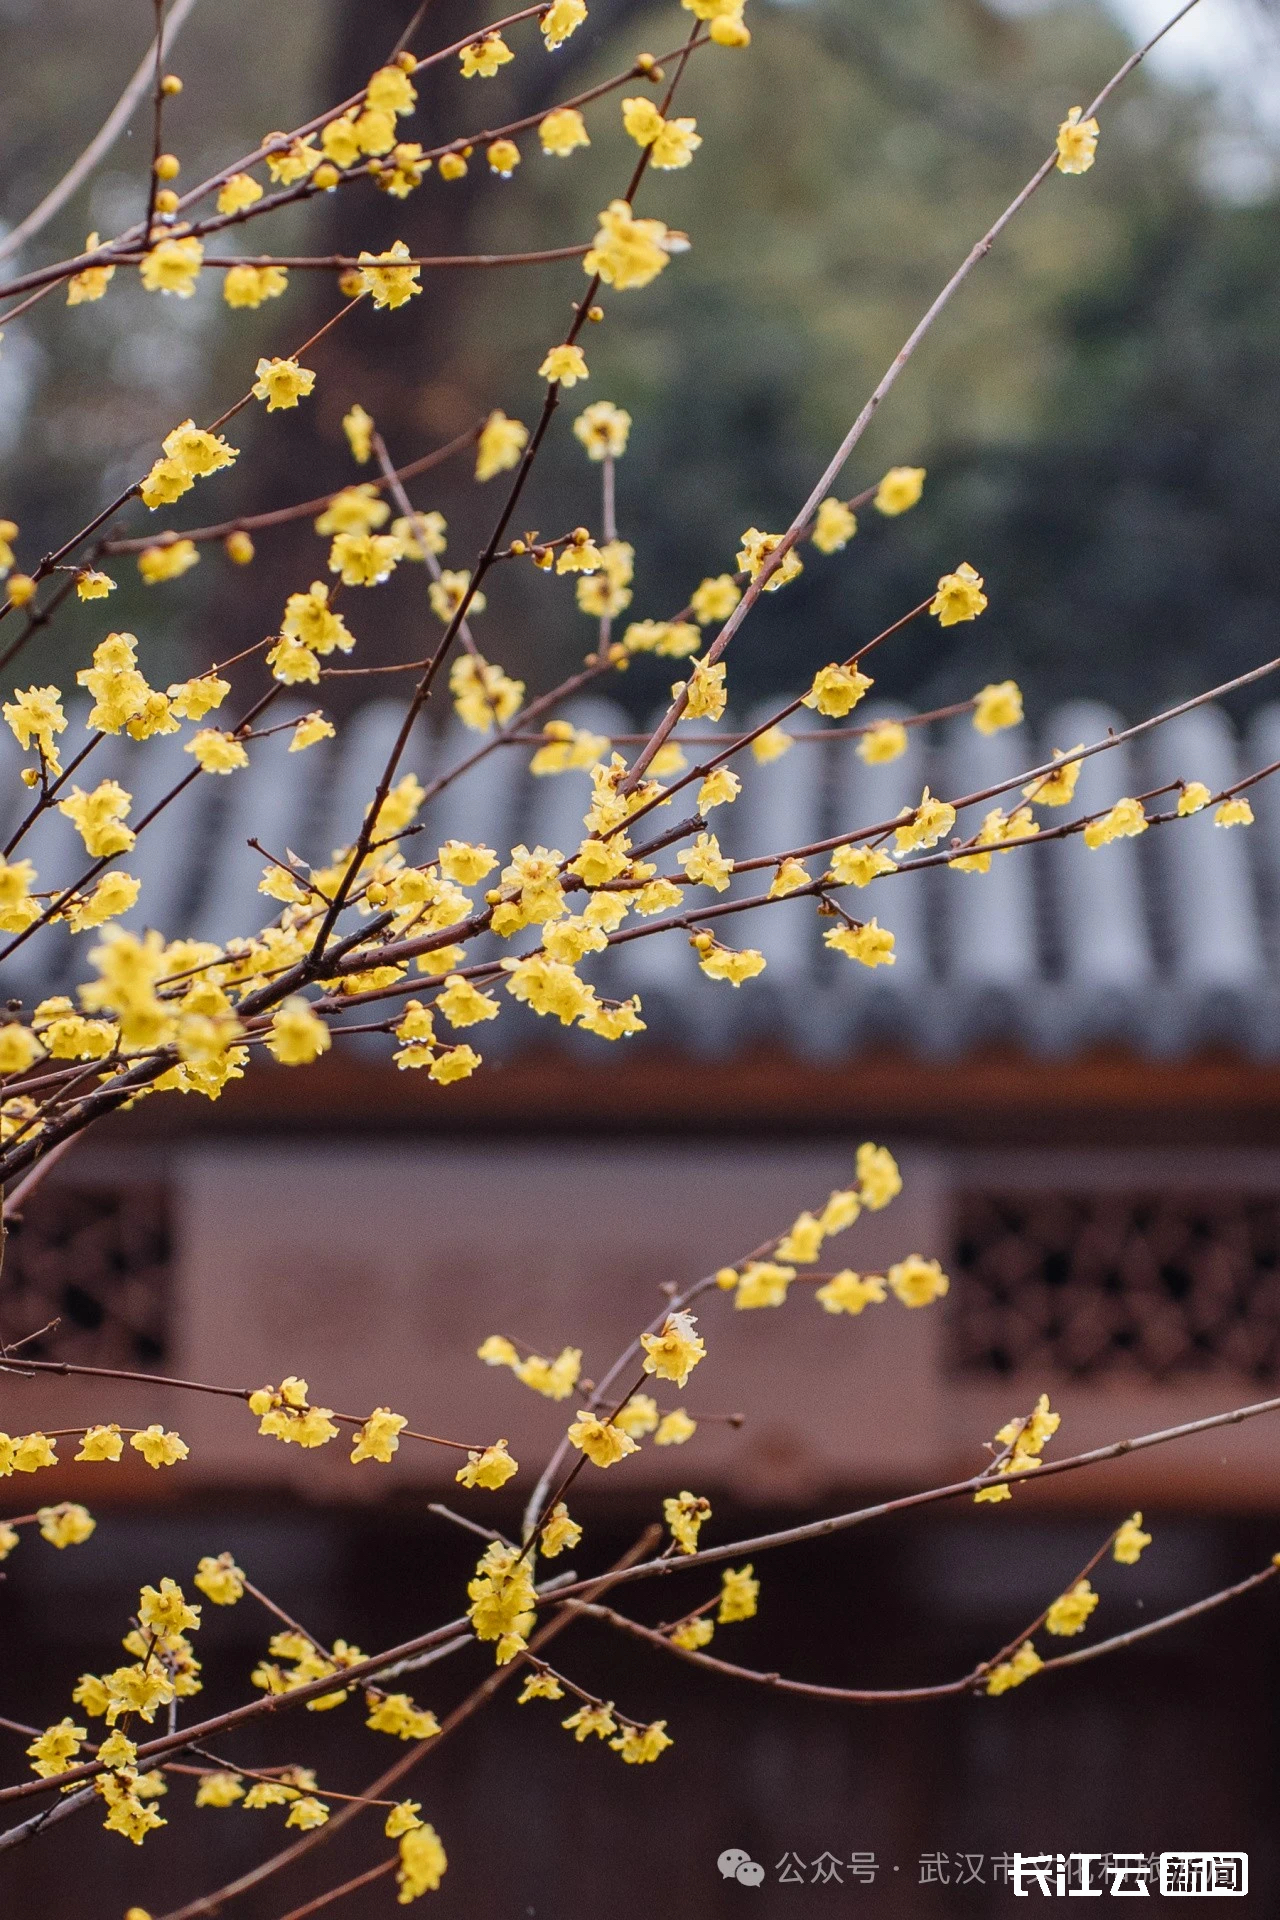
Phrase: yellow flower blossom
(503, 157)
(1124, 820)
(558, 1532)
(591, 1719)
(996, 707)
(237, 193)
(674, 1429)
(250, 286)
(66, 1525)
(500, 445)
(422, 1863)
(298, 1036)
(282, 383)
(387, 278)
(216, 752)
(858, 866)
(918, 1282)
(1077, 143)
(158, 1448)
(899, 490)
(101, 1443)
(601, 1441)
(379, 1437)
(639, 1744)
(1012, 1673)
(762, 1283)
(715, 599)
(628, 252)
(1057, 789)
(1069, 1614)
(959, 596)
(739, 1594)
(834, 527)
(563, 130)
(602, 429)
(870, 943)
(564, 366)
(561, 18)
(692, 1634)
(173, 266)
(755, 550)
(734, 964)
(220, 1579)
(1130, 1541)
(836, 690)
(1235, 812)
(483, 57)
(491, 1468)
(924, 824)
(685, 1514)
(849, 1292)
(91, 282)
(219, 1790)
(676, 1351)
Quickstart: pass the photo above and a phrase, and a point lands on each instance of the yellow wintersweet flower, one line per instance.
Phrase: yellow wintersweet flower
(192, 699)
(755, 550)
(101, 1443)
(601, 1441)
(1069, 1613)
(704, 864)
(491, 1468)
(379, 1437)
(91, 282)
(734, 964)
(54, 1750)
(387, 278)
(484, 57)
(918, 1282)
(500, 445)
(403, 1818)
(422, 1863)
(996, 707)
(834, 527)
(19, 1048)
(158, 1448)
(307, 1812)
(739, 1593)
(639, 1416)
(885, 741)
(358, 509)
(98, 818)
(164, 1609)
(706, 695)
(562, 131)
(561, 18)
(715, 599)
(762, 1283)
(311, 728)
(359, 427)
(250, 286)
(390, 90)
(220, 1580)
(602, 429)
(802, 1243)
(924, 824)
(1130, 1541)
(294, 162)
(282, 383)
(27, 1454)
(541, 1686)
(1077, 143)
(642, 120)
(364, 559)
(692, 1634)
(675, 144)
(899, 490)
(1057, 789)
(219, 1790)
(216, 752)
(167, 561)
(629, 252)
(789, 878)
(564, 366)
(849, 1292)
(1125, 819)
(558, 1532)
(836, 690)
(1195, 796)
(591, 1719)
(9, 1538)
(1012, 1673)
(173, 266)
(870, 943)
(638, 1744)
(91, 584)
(67, 1525)
(298, 1036)
(859, 866)
(676, 1351)
(237, 193)
(503, 157)
(959, 596)
(1235, 812)
(685, 1514)
(396, 1714)
(674, 1429)
(308, 617)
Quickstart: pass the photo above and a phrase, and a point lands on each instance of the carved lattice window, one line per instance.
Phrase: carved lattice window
(98, 1260)
(1156, 1284)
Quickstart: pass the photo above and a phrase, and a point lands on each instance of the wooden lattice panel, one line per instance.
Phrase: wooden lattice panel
(1154, 1284)
(98, 1259)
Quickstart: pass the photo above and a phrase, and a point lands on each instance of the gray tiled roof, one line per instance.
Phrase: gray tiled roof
(1166, 943)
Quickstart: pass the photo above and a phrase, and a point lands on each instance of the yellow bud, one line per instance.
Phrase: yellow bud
(168, 166)
(171, 84)
(21, 589)
(166, 200)
(350, 283)
(238, 547)
(452, 166)
(407, 60)
(326, 176)
(595, 313)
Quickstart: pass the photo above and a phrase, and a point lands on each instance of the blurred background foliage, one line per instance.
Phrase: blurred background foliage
(1099, 411)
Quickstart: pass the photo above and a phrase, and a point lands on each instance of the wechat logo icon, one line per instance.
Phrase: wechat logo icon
(734, 1864)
